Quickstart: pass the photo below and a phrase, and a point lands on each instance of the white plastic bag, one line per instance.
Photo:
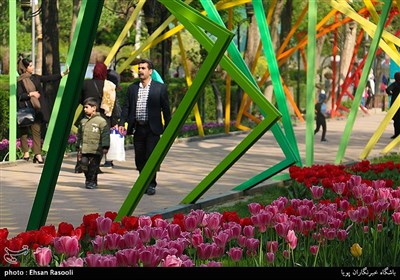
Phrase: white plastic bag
(117, 146)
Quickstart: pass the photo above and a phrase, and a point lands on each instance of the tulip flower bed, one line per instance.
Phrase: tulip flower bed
(343, 219)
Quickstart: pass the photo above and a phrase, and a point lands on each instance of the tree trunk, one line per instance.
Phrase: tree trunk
(218, 102)
(51, 55)
(155, 14)
(39, 46)
(346, 54)
(75, 12)
(252, 42)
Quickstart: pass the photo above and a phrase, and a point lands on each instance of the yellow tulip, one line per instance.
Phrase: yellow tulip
(356, 250)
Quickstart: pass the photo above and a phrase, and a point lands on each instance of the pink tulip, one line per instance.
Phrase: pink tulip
(270, 257)
(98, 244)
(321, 217)
(314, 249)
(248, 231)
(342, 234)
(127, 257)
(190, 223)
(174, 231)
(145, 233)
(220, 239)
(272, 246)
(171, 261)
(132, 240)
(149, 258)
(235, 253)
(112, 241)
(338, 187)
(395, 204)
(286, 254)
(317, 192)
(212, 264)
(145, 221)
(68, 245)
(254, 208)
(396, 218)
(204, 251)
(214, 221)
(304, 211)
(344, 205)
(103, 225)
(197, 239)
(291, 238)
(282, 229)
(42, 256)
(72, 262)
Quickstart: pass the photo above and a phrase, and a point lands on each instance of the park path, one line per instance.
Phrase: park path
(185, 165)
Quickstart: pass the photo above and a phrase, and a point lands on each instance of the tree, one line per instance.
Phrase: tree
(51, 54)
(155, 14)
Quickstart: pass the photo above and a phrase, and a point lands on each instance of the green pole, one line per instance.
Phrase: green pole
(363, 81)
(310, 107)
(69, 91)
(12, 149)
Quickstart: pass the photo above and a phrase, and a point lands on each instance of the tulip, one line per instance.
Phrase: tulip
(317, 192)
(171, 261)
(356, 250)
(235, 253)
(103, 225)
(42, 256)
(72, 262)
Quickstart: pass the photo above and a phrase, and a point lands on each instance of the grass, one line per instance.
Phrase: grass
(241, 206)
(273, 192)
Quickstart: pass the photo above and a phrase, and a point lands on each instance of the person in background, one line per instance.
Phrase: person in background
(115, 78)
(145, 105)
(29, 90)
(393, 91)
(320, 116)
(99, 88)
(93, 140)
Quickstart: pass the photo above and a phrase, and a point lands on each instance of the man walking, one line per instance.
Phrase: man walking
(145, 106)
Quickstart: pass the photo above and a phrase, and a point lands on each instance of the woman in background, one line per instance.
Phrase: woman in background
(30, 93)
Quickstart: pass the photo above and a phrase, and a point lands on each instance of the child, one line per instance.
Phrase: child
(93, 140)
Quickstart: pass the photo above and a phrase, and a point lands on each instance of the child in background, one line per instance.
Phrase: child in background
(93, 140)
(320, 115)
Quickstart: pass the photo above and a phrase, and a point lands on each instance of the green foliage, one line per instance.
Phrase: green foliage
(395, 157)
(4, 105)
(241, 206)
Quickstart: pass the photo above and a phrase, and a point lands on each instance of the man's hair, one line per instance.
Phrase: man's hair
(91, 101)
(148, 61)
(397, 76)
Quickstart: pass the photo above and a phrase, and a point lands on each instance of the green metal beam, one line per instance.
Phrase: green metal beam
(185, 14)
(12, 152)
(363, 82)
(68, 94)
(311, 72)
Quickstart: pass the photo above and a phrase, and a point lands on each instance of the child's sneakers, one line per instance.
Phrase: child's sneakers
(108, 164)
(91, 185)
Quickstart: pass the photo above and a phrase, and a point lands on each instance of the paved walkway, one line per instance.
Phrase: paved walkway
(186, 164)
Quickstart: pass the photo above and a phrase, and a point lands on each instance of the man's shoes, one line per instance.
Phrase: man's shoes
(151, 190)
(91, 185)
(108, 164)
(324, 140)
(394, 136)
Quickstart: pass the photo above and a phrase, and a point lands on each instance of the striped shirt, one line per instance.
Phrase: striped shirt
(141, 105)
